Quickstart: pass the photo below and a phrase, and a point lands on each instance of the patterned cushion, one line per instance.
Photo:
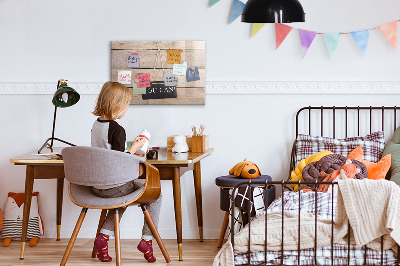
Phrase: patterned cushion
(372, 144)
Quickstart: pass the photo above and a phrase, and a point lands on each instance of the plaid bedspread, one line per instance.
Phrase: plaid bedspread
(307, 202)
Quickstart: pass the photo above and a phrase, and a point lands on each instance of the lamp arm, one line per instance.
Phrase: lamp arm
(54, 126)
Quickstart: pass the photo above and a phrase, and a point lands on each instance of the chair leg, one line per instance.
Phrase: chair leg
(223, 229)
(73, 237)
(154, 230)
(117, 238)
(101, 222)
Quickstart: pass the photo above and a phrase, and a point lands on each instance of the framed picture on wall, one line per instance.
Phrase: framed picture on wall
(161, 72)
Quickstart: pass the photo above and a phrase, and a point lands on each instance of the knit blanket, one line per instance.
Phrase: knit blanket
(371, 207)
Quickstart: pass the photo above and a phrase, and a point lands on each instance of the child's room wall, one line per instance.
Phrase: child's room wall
(43, 41)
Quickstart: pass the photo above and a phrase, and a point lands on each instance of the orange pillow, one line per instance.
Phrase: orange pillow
(375, 170)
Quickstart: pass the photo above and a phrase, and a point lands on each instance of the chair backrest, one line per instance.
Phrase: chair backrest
(91, 166)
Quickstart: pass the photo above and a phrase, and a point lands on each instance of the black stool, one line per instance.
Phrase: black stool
(226, 183)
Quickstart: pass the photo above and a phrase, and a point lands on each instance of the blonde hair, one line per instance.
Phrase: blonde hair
(112, 99)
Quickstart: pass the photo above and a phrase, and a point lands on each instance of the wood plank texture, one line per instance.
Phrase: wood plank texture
(193, 52)
(49, 252)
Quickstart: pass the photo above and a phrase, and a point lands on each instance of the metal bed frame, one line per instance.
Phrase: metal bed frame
(283, 184)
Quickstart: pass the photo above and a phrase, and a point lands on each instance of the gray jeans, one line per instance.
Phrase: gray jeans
(154, 208)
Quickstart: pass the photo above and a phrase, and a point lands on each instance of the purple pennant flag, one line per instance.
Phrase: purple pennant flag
(237, 9)
(306, 39)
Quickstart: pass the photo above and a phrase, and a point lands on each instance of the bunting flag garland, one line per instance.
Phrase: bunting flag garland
(306, 39)
(281, 31)
(389, 30)
(237, 9)
(256, 28)
(332, 41)
(361, 38)
(213, 2)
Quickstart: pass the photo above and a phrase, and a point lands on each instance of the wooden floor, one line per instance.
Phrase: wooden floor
(50, 252)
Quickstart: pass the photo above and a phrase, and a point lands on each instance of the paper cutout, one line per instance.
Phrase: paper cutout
(213, 2)
(306, 39)
(180, 69)
(389, 30)
(237, 9)
(174, 56)
(256, 27)
(281, 31)
(133, 60)
(144, 80)
(332, 41)
(158, 90)
(361, 38)
(137, 90)
(170, 79)
(125, 77)
(192, 74)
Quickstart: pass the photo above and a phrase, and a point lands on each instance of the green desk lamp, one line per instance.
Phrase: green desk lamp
(65, 96)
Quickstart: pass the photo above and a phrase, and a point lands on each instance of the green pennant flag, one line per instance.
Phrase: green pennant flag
(213, 2)
(256, 27)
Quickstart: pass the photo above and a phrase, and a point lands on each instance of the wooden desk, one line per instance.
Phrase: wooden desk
(169, 165)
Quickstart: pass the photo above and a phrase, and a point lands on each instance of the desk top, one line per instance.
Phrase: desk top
(164, 157)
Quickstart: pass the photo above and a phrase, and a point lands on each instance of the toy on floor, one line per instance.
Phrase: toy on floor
(13, 215)
(245, 169)
(180, 144)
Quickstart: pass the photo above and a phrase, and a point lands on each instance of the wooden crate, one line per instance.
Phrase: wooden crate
(200, 143)
(193, 52)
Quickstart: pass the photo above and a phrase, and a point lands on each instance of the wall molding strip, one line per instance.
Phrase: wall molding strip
(231, 87)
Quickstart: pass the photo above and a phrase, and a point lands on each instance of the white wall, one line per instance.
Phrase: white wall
(42, 41)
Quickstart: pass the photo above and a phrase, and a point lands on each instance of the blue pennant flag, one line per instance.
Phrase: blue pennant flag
(213, 2)
(237, 9)
(332, 41)
(361, 38)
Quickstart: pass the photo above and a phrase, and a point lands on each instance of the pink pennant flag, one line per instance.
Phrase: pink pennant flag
(281, 31)
(306, 39)
(389, 30)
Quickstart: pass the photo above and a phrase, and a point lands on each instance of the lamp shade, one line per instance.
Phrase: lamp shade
(273, 11)
(65, 96)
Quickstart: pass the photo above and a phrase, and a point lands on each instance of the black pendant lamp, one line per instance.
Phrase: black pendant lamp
(273, 11)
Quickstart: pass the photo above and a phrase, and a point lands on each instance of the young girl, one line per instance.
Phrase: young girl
(112, 104)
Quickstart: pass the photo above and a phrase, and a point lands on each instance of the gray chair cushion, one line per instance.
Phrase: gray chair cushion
(99, 167)
(84, 196)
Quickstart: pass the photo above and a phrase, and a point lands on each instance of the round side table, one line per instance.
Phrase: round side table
(226, 183)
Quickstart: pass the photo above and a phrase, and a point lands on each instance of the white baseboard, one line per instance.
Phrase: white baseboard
(232, 87)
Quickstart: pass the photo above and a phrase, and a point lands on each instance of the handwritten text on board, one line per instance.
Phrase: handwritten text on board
(133, 60)
(174, 56)
(144, 80)
(192, 74)
(170, 79)
(125, 77)
(180, 69)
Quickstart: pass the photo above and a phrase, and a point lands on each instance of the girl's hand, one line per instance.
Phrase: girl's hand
(143, 155)
(137, 144)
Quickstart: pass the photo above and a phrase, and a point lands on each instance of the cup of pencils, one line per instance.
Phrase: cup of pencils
(199, 140)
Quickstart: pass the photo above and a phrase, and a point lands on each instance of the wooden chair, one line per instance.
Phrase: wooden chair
(85, 167)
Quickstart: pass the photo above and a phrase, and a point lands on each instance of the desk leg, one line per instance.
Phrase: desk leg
(199, 204)
(60, 190)
(176, 182)
(27, 206)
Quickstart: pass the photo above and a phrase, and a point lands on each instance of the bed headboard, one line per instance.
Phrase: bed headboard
(344, 121)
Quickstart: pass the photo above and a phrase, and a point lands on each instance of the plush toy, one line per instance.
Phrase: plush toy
(245, 169)
(296, 174)
(180, 144)
(375, 170)
(13, 215)
(1, 220)
(348, 170)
